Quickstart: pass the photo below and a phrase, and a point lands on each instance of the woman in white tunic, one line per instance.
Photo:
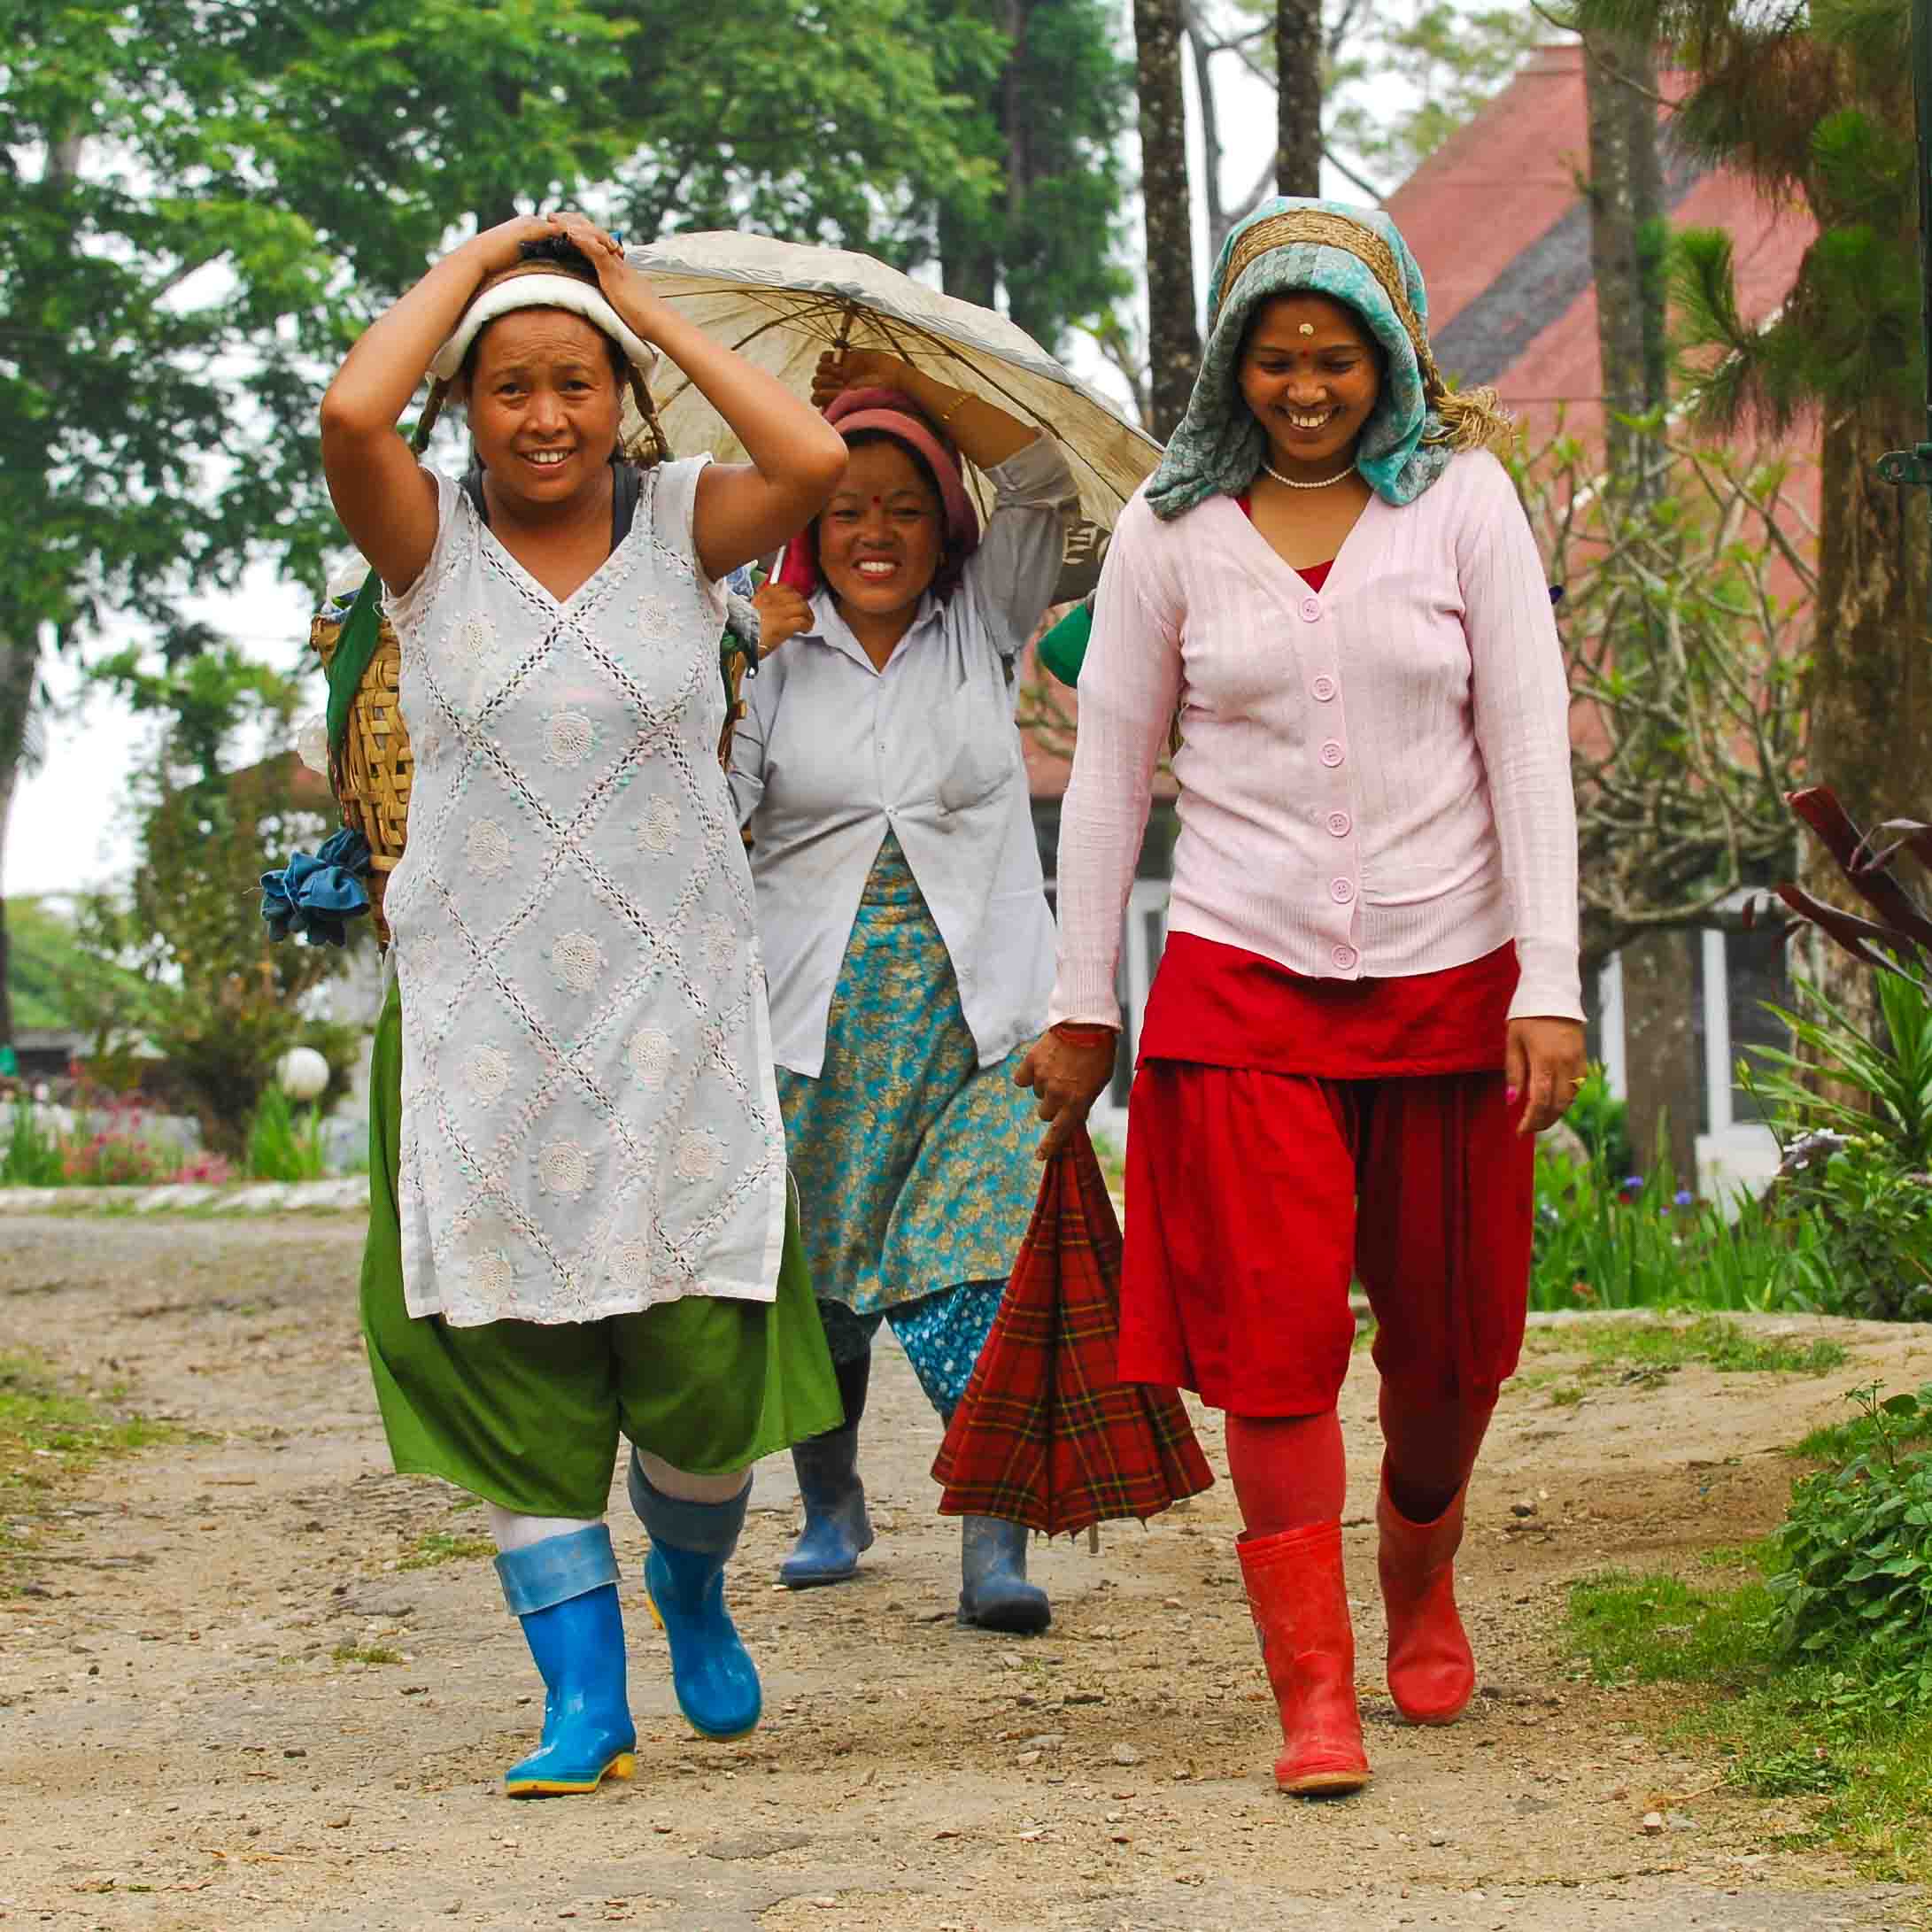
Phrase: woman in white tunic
(580, 1197)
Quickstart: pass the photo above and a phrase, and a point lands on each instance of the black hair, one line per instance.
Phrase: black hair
(558, 248)
(560, 252)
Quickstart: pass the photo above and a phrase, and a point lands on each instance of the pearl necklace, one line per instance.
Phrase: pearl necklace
(1289, 482)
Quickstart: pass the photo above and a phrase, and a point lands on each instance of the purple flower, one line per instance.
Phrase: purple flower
(1683, 1197)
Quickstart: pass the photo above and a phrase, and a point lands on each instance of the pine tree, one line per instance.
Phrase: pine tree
(1813, 103)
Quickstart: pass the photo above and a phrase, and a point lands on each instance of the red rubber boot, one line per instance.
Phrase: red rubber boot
(1432, 1674)
(1300, 1602)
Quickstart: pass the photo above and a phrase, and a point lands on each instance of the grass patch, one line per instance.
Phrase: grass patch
(366, 1653)
(1646, 1353)
(1787, 1730)
(48, 1437)
(439, 1546)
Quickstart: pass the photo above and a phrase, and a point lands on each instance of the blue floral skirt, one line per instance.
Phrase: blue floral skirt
(914, 1164)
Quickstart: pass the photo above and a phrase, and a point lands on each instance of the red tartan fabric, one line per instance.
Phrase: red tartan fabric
(1046, 1435)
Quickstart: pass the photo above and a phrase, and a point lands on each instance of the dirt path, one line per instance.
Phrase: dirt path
(186, 1742)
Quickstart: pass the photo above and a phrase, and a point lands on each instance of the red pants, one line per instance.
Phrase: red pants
(1252, 1199)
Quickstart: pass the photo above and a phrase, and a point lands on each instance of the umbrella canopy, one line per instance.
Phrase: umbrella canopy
(781, 305)
(1046, 1434)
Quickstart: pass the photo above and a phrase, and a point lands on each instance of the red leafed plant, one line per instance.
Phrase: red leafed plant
(1899, 938)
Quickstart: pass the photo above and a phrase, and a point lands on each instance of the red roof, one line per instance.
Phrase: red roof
(1498, 223)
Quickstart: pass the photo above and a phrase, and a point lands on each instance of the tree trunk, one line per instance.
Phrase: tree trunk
(1869, 722)
(20, 663)
(1212, 151)
(1298, 96)
(1663, 1068)
(1173, 338)
(1627, 222)
(967, 266)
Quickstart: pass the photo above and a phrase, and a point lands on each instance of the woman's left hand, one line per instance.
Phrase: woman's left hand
(1544, 1065)
(854, 368)
(627, 291)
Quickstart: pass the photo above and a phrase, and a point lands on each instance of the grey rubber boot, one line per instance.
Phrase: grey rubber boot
(837, 1529)
(994, 1593)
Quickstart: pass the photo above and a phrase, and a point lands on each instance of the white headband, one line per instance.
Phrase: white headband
(535, 292)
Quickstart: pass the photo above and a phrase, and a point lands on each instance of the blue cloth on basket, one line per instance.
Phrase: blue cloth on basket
(316, 894)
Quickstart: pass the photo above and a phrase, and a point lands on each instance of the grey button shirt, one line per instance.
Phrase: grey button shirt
(833, 754)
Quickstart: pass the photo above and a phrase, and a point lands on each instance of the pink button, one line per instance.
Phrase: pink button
(1340, 824)
(1332, 754)
(1342, 890)
(1311, 609)
(1324, 689)
(1345, 958)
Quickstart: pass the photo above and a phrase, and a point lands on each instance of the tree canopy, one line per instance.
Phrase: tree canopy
(201, 206)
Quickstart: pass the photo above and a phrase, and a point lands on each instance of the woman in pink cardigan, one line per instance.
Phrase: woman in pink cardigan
(1368, 1003)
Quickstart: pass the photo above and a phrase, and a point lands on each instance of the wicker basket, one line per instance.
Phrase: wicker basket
(373, 777)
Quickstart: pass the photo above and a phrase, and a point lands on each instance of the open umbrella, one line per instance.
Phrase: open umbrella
(781, 305)
(1046, 1435)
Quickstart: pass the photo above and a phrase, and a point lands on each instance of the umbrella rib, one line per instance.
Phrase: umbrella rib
(771, 321)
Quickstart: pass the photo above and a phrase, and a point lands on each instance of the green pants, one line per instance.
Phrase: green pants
(528, 1414)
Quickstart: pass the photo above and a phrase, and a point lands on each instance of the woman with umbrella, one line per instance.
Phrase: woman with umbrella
(907, 932)
(579, 1205)
(1368, 1000)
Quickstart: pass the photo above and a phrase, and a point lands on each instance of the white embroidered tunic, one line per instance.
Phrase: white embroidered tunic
(590, 1124)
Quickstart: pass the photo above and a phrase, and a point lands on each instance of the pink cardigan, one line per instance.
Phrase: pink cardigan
(1374, 781)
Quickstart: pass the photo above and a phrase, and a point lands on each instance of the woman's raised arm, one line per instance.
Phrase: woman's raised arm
(386, 503)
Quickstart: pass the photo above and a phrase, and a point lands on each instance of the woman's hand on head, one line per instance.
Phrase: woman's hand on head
(782, 614)
(502, 247)
(1067, 1077)
(1544, 1067)
(627, 290)
(840, 370)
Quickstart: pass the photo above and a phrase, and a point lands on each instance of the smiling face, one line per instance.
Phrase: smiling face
(544, 404)
(881, 538)
(1312, 375)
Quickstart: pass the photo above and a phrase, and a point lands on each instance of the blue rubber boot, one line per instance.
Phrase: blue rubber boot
(837, 1528)
(564, 1592)
(994, 1593)
(712, 1672)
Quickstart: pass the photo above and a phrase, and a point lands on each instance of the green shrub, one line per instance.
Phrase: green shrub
(282, 1147)
(30, 1157)
(1873, 1258)
(1853, 1577)
(1602, 1123)
(1888, 1072)
(1604, 1239)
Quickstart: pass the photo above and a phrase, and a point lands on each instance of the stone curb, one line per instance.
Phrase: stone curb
(255, 1197)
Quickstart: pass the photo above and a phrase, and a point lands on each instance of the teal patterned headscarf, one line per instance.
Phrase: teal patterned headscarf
(1356, 256)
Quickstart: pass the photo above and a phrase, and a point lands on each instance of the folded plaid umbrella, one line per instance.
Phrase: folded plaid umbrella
(1046, 1435)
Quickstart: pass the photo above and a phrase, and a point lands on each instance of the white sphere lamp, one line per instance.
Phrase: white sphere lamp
(302, 1073)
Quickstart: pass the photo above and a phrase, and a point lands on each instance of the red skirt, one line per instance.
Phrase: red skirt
(1254, 1194)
